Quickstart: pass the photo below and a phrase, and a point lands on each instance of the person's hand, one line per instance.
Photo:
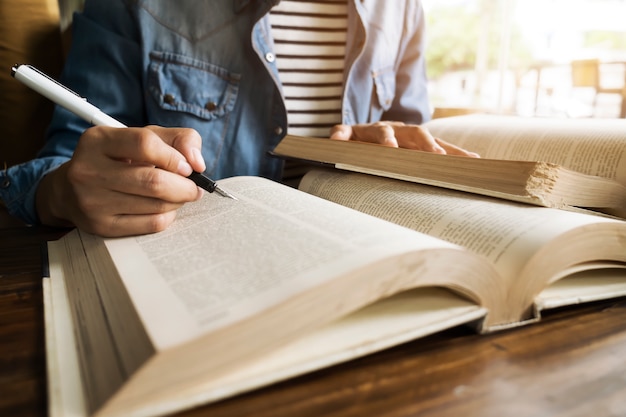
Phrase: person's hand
(398, 135)
(123, 182)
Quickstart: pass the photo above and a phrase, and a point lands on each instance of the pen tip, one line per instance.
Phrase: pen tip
(224, 193)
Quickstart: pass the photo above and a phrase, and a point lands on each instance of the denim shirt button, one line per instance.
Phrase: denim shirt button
(210, 106)
(270, 57)
(278, 130)
(169, 99)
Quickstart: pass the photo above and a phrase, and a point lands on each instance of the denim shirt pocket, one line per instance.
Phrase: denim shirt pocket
(385, 87)
(184, 84)
(190, 93)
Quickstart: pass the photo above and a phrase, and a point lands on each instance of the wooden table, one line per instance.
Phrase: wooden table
(572, 364)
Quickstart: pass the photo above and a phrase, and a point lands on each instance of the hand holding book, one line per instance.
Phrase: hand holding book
(548, 162)
(398, 135)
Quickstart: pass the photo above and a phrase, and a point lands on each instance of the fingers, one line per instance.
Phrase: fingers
(123, 181)
(398, 134)
(124, 160)
(125, 200)
(172, 149)
(381, 133)
(418, 138)
(130, 225)
(341, 132)
(455, 150)
(138, 180)
(133, 215)
(186, 141)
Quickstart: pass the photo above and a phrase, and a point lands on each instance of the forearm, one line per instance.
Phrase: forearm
(411, 103)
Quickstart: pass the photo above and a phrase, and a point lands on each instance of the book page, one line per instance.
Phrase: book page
(599, 281)
(389, 322)
(65, 386)
(213, 266)
(508, 234)
(590, 146)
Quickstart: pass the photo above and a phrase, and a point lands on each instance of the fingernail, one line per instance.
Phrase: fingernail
(184, 168)
(197, 156)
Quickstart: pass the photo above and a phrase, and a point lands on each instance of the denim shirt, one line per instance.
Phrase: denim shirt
(209, 65)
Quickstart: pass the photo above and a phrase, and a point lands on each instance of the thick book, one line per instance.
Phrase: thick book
(560, 163)
(239, 294)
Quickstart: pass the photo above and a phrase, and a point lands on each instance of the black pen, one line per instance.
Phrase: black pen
(208, 184)
(78, 105)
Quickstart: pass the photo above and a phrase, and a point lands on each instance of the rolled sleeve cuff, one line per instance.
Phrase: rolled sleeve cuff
(18, 186)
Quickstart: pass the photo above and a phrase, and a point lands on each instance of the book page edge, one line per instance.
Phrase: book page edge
(528, 199)
(65, 395)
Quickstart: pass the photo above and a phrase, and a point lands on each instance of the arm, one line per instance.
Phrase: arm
(99, 180)
(400, 122)
(411, 103)
(22, 181)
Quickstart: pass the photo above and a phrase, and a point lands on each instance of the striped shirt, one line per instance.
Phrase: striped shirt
(310, 46)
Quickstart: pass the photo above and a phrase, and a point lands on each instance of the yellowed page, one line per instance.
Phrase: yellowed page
(266, 270)
(600, 280)
(211, 269)
(65, 393)
(591, 146)
(389, 322)
(512, 236)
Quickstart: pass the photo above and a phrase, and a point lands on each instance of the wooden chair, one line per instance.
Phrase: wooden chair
(29, 34)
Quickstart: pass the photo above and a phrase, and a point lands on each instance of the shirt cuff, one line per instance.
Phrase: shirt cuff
(18, 186)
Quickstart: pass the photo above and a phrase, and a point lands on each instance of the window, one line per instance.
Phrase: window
(515, 56)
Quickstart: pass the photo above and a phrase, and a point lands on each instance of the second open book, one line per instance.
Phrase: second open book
(240, 294)
(561, 163)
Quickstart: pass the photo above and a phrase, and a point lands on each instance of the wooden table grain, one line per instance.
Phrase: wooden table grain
(571, 364)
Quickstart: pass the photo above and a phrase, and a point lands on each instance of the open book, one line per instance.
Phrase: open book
(559, 163)
(238, 294)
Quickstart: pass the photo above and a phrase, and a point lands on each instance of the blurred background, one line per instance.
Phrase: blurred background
(563, 58)
(559, 58)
